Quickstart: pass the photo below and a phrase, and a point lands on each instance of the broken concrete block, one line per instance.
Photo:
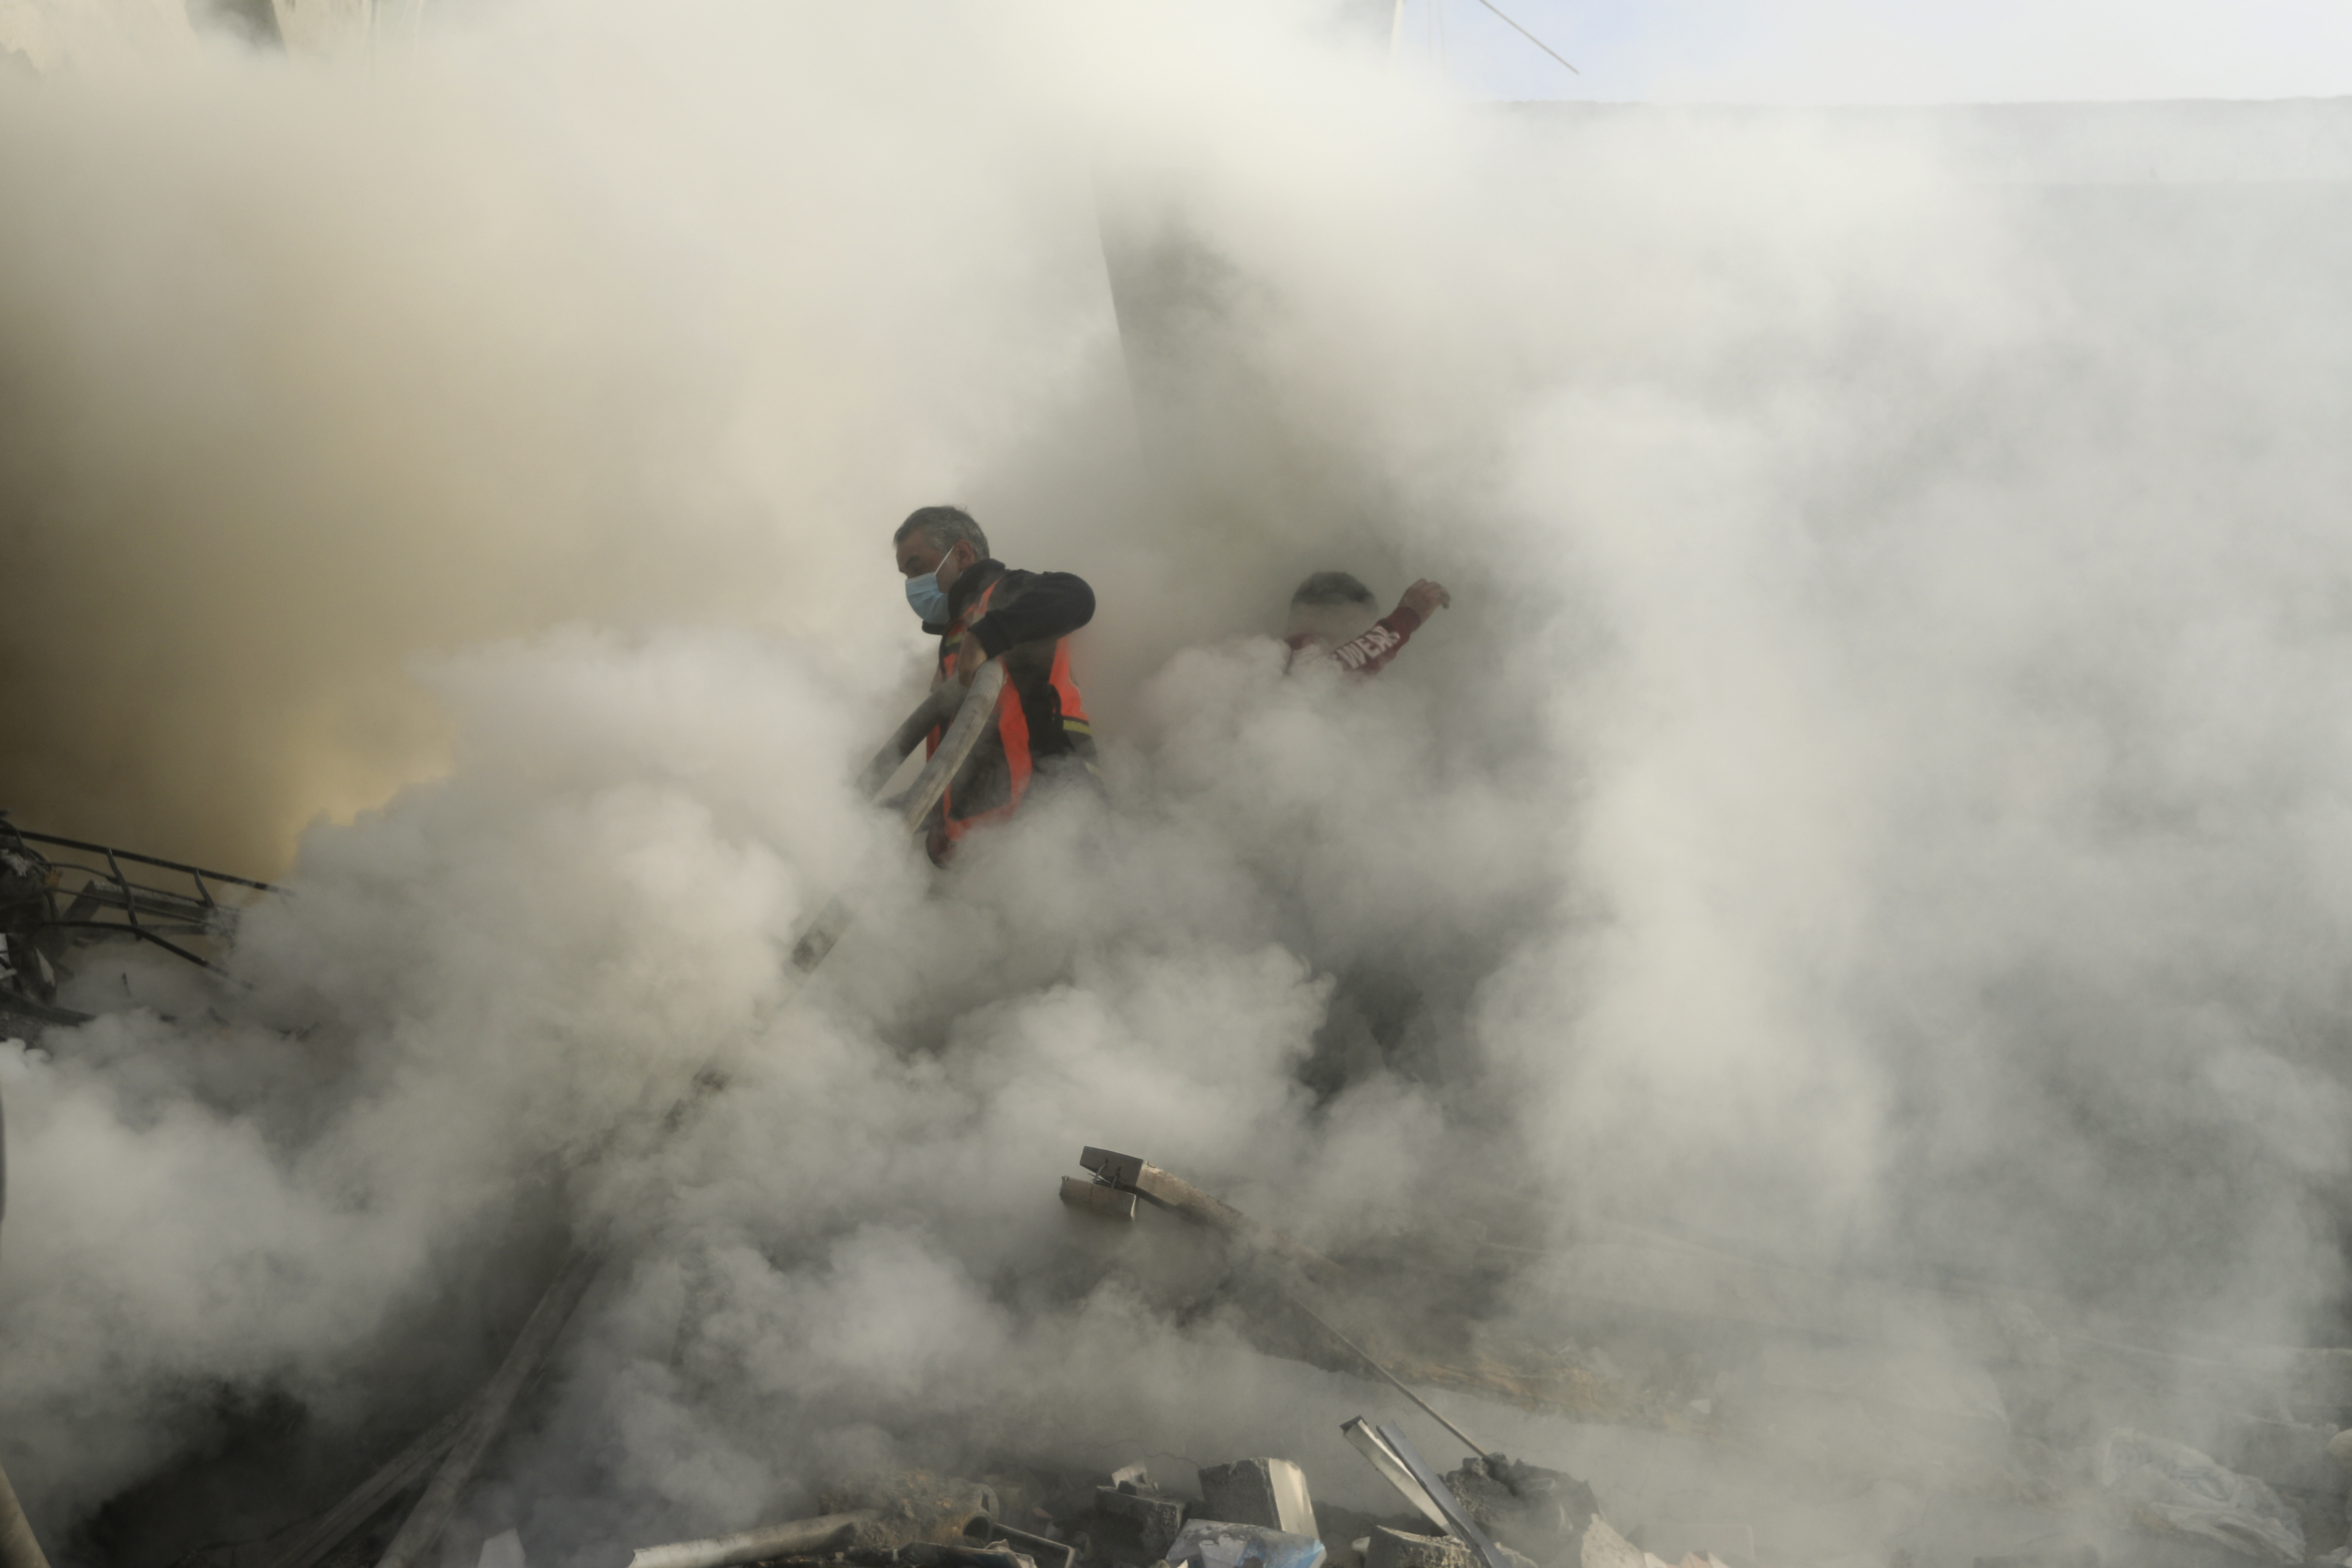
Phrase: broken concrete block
(1047, 1552)
(1400, 1549)
(1215, 1544)
(1602, 1547)
(1541, 1513)
(1269, 1492)
(912, 1506)
(1396, 1548)
(1155, 1517)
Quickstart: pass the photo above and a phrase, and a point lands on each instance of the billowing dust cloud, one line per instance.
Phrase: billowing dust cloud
(1876, 801)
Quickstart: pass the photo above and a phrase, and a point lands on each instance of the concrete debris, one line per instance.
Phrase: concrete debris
(2175, 1489)
(1048, 1553)
(1215, 1544)
(1155, 1517)
(902, 1534)
(799, 1538)
(915, 1507)
(1602, 1547)
(1268, 1492)
(1458, 1522)
(1540, 1512)
(1390, 1548)
(932, 1554)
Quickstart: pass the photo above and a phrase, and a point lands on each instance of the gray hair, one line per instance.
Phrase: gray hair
(945, 527)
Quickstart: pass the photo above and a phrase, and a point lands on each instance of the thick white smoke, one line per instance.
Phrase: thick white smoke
(1875, 797)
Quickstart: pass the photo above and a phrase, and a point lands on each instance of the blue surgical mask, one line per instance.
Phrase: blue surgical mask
(931, 600)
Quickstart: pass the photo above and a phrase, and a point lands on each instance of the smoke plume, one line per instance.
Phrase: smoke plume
(1875, 801)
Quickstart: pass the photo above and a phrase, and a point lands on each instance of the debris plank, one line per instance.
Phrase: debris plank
(488, 1416)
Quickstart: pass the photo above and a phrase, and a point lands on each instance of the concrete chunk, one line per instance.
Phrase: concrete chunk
(1268, 1492)
(1158, 1519)
(1399, 1549)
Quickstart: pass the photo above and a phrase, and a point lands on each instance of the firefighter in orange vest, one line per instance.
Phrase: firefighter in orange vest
(980, 610)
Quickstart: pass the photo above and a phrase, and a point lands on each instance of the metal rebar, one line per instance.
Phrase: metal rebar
(1366, 1357)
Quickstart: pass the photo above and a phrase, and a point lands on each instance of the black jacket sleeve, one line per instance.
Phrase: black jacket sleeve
(1050, 604)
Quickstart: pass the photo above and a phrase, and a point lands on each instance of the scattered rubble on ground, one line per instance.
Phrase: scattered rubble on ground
(1897, 1392)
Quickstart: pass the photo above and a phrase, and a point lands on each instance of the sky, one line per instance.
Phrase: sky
(1891, 52)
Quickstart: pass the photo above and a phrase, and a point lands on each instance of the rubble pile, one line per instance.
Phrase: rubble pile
(1859, 1408)
(1255, 1512)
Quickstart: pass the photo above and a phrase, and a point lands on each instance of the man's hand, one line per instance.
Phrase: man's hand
(1423, 598)
(971, 656)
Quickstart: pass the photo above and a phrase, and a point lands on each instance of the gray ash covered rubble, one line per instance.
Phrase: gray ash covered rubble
(1252, 1513)
(1540, 1513)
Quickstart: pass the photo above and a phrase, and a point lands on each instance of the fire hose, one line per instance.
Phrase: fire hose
(967, 714)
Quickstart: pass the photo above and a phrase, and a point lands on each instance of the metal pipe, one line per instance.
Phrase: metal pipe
(1366, 1357)
(800, 1537)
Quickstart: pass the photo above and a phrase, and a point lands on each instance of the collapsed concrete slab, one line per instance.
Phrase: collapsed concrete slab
(1264, 1491)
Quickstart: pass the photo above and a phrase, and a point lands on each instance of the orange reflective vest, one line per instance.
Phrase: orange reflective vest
(1040, 719)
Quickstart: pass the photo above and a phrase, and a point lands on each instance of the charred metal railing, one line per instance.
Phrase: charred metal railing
(58, 893)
